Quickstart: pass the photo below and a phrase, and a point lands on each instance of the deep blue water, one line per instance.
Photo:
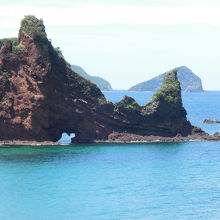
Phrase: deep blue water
(117, 181)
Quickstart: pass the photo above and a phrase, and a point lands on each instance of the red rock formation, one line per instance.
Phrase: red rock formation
(41, 97)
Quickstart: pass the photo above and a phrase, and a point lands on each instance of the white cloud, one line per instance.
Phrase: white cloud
(91, 15)
(108, 52)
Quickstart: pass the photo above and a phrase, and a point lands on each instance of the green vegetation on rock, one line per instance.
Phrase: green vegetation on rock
(34, 27)
(170, 90)
(3, 101)
(169, 94)
(103, 101)
(189, 81)
(13, 40)
(58, 51)
(18, 48)
(5, 75)
(127, 103)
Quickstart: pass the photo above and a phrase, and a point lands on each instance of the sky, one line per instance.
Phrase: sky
(128, 41)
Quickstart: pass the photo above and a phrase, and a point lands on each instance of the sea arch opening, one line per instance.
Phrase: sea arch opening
(66, 138)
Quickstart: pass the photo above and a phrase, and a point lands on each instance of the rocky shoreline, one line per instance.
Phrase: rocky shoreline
(119, 138)
(14, 143)
(131, 138)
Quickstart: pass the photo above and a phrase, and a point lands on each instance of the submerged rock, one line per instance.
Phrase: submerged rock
(41, 97)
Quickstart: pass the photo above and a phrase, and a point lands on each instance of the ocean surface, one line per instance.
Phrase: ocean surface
(163, 181)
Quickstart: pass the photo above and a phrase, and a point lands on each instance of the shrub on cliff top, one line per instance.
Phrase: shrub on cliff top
(34, 27)
(127, 103)
(59, 52)
(170, 90)
(170, 93)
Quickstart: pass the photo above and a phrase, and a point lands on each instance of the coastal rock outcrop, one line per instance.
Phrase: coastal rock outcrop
(163, 116)
(189, 81)
(41, 97)
(209, 121)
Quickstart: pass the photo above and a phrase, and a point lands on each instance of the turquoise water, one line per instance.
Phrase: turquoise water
(148, 181)
(128, 181)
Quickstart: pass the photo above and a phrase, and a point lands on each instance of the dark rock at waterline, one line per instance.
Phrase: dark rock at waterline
(41, 97)
(217, 134)
(208, 121)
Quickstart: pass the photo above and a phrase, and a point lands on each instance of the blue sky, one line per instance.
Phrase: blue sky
(125, 41)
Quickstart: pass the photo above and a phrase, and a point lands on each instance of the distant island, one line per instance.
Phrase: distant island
(103, 84)
(189, 81)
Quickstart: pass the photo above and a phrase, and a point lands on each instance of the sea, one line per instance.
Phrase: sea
(154, 181)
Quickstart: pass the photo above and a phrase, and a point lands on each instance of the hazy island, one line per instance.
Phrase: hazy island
(189, 81)
(41, 97)
(103, 84)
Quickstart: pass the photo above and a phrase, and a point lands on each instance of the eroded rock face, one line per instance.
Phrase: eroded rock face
(41, 97)
(164, 115)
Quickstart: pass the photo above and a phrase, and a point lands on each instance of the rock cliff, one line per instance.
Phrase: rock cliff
(189, 82)
(41, 97)
(163, 116)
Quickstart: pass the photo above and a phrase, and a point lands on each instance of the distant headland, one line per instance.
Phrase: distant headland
(103, 84)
